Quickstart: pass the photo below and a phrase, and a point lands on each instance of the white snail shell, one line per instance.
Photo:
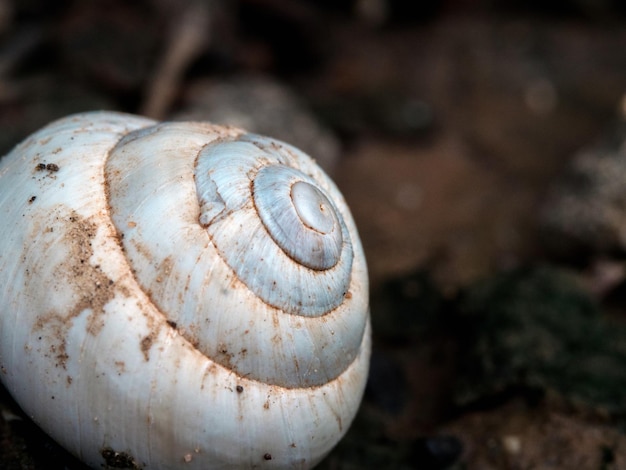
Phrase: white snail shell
(179, 295)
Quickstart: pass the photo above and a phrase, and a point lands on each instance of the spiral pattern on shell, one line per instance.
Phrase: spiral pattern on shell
(179, 293)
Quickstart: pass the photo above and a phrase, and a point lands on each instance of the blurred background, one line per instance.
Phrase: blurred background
(481, 145)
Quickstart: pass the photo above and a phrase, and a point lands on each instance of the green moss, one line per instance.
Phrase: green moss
(536, 328)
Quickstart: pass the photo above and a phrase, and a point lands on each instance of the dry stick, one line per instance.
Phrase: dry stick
(190, 36)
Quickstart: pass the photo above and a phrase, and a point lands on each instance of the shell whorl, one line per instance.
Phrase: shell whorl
(299, 217)
(253, 216)
(247, 185)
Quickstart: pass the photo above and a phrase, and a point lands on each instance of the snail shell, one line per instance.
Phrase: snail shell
(179, 295)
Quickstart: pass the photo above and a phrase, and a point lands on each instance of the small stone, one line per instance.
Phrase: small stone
(586, 209)
(512, 444)
(436, 452)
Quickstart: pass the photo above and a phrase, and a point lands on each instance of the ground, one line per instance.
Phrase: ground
(446, 126)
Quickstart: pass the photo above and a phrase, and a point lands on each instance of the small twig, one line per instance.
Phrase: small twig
(189, 37)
